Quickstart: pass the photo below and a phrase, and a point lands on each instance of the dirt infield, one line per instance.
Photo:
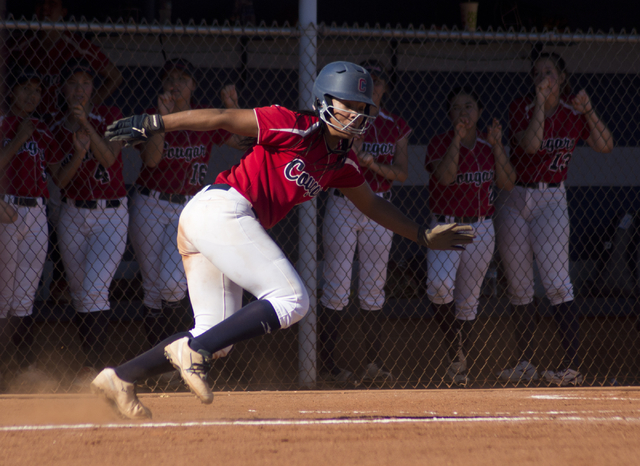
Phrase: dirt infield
(503, 426)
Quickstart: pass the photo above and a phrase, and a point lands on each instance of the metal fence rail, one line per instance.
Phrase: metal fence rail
(422, 67)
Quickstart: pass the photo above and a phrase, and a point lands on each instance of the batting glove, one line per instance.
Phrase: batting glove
(442, 237)
(137, 128)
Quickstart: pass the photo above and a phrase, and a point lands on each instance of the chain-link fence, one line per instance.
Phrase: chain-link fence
(106, 282)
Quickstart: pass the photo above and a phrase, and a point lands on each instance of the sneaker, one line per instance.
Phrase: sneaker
(457, 370)
(193, 366)
(373, 373)
(564, 377)
(120, 395)
(523, 372)
(84, 377)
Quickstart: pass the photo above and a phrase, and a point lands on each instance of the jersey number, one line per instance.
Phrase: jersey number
(560, 161)
(199, 174)
(102, 175)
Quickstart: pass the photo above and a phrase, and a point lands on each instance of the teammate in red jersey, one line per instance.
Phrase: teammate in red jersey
(382, 152)
(94, 215)
(533, 219)
(464, 165)
(28, 151)
(174, 169)
(47, 51)
(222, 234)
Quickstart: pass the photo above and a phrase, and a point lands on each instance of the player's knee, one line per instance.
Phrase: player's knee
(292, 309)
(441, 288)
(561, 294)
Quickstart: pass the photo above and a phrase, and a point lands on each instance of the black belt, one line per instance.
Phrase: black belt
(443, 218)
(25, 201)
(173, 198)
(224, 187)
(93, 204)
(385, 195)
(537, 185)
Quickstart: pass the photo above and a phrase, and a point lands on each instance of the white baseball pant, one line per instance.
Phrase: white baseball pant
(535, 223)
(92, 243)
(458, 275)
(154, 231)
(225, 250)
(23, 252)
(345, 227)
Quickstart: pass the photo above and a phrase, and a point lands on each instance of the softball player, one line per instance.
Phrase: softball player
(464, 165)
(533, 220)
(28, 150)
(175, 166)
(222, 234)
(383, 154)
(94, 216)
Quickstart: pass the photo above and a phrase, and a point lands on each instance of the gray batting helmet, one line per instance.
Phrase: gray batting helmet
(344, 81)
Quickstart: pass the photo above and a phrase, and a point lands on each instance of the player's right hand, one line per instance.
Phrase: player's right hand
(133, 129)
(451, 236)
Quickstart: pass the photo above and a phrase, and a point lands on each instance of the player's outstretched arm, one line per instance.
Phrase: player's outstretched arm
(386, 214)
(139, 128)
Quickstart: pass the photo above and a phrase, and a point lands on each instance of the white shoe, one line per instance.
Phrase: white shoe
(523, 372)
(373, 373)
(193, 367)
(120, 395)
(564, 377)
(457, 371)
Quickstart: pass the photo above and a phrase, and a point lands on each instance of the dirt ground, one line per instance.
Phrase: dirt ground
(596, 426)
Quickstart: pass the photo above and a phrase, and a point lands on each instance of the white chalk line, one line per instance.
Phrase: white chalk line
(321, 422)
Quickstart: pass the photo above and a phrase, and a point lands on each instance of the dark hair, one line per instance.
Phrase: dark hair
(463, 90)
(375, 68)
(560, 66)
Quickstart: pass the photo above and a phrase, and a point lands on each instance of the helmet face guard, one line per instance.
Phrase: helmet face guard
(344, 81)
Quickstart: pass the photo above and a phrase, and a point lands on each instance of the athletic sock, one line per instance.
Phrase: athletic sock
(94, 332)
(444, 315)
(23, 340)
(149, 364)
(525, 327)
(328, 328)
(372, 328)
(255, 319)
(155, 325)
(566, 316)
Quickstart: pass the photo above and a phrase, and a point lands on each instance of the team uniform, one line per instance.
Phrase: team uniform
(345, 227)
(456, 276)
(161, 194)
(23, 244)
(222, 235)
(533, 219)
(93, 220)
(48, 62)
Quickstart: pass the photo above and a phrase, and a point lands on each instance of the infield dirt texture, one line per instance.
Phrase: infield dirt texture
(595, 426)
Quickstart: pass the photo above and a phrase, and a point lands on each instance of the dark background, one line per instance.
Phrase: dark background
(616, 14)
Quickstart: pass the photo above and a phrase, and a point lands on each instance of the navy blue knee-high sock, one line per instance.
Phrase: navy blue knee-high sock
(328, 333)
(525, 327)
(566, 316)
(148, 364)
(255, 319)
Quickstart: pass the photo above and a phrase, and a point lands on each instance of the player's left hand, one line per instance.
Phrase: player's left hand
(494, 133)
(229, 96)
(447, 237)
(581, 102)
(365, 159)
(133, 129)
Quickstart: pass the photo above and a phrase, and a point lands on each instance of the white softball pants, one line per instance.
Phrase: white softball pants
(225, 250)
(458, 275)
(534, 223)
(153, 230)
(345, 227)
(23, 252)
(92, 243)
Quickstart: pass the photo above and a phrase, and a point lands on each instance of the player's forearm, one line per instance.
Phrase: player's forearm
(102, 149)
(152, 151)
(505, 173)
(600, 139)
(446, 170)
(63, 174)
(533, 136)
(237, 121)
(391, 172)
(390, 217)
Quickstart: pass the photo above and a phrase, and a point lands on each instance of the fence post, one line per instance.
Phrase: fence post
(307, 246)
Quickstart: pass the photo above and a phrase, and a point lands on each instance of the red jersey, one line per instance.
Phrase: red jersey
(380, 141)
(92, 180)
(289, 165)
(25, 175)
(49, 61)
(184, 163)
(470, 193)
(562, 130)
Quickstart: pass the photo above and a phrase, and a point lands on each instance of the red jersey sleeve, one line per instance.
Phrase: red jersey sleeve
(282, 128)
